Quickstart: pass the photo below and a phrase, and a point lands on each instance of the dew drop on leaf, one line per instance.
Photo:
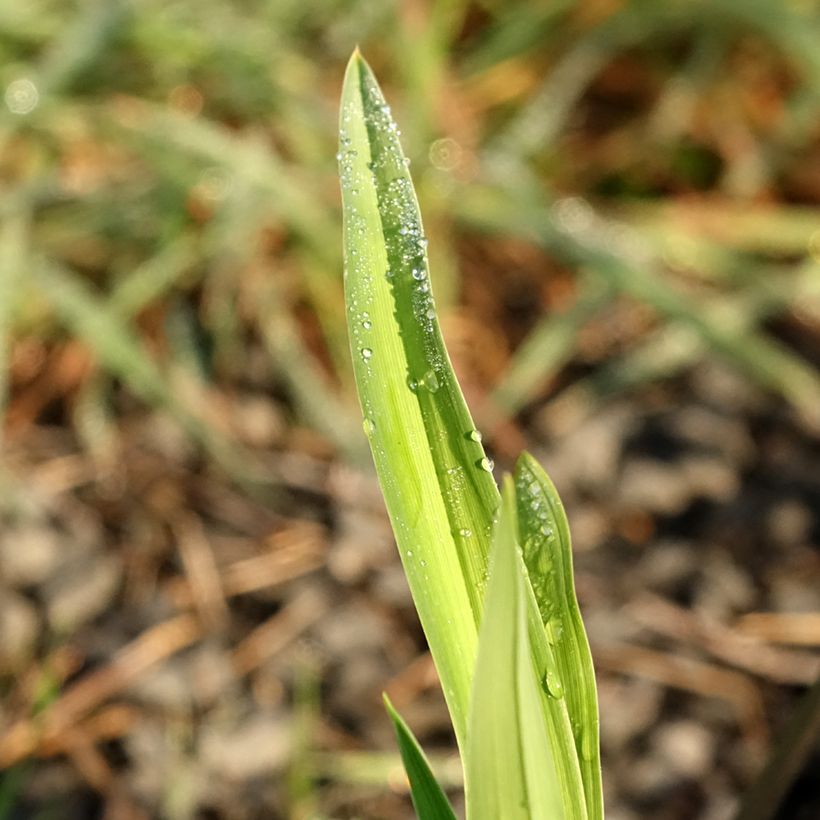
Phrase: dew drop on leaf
(553, 628)
(486, 464)
(553, 685)
(367, 353)
(429, 381)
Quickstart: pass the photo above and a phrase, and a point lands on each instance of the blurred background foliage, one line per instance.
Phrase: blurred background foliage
(617, 194)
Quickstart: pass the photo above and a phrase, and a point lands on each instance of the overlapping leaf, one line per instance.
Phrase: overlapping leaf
(429, 800)
(547, 551)
(510, 768)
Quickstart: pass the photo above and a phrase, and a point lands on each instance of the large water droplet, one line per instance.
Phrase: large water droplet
(553, 685)
(429, 381)
(369, 426)
(367, 353)
(486, 464)
(465, 533)
(417, 274)
(553, 629)
(474, 435)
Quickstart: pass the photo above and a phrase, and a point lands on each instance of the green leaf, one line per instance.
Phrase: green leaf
(429, 800)
(510, 768)
(547, 552)
(434, 475)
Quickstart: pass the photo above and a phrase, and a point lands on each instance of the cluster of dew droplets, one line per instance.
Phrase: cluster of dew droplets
(357, 268)
(406, 245)
(538, 537)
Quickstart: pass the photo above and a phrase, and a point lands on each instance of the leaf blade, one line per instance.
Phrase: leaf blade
(547, 553)
(510, 768)
(428, 798)
(440, 498)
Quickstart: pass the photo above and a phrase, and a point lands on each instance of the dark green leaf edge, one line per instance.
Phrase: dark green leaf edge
(428, 798)
(547, 552)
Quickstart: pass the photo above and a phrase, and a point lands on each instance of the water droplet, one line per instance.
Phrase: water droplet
(369, 426)
(367, 353)
(553, 685)
(553, 629)
(367, 324)
(429, 381)
(486, 464)
(465, 533)
(423, 242)
(474, 435)
(417, 274)
(412, 384)
(409, 553)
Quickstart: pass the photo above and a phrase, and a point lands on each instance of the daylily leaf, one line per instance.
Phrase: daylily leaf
(435, 477)
(429, 800)
(510, 769)
(547, 551)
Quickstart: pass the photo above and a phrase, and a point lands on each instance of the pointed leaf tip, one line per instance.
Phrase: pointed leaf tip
(428, 798)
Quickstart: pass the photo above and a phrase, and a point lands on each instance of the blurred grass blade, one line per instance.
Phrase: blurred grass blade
(510, 768)
(121, 353)
(579, 235)
(548, 346)
(435, 477)
(429, 800)
(14, 249)
(547, 550)
(154, 278)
